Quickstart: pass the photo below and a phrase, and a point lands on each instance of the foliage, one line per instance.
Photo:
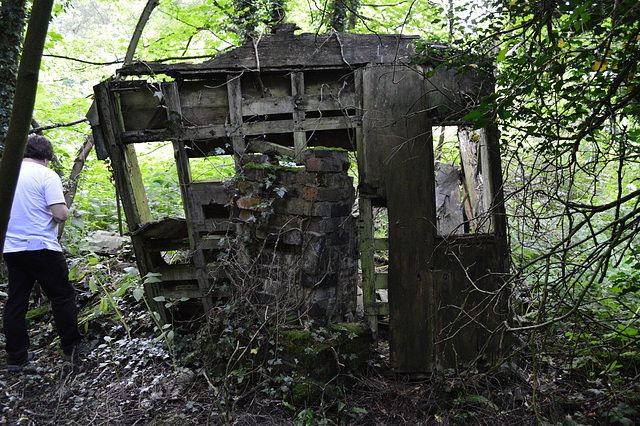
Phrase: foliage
(566, 100)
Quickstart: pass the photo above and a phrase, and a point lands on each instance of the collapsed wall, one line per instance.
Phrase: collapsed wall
(298, 234)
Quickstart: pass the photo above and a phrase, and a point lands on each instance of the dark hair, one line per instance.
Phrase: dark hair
(38, 148)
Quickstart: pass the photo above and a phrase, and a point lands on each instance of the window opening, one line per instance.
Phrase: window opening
(463, 196)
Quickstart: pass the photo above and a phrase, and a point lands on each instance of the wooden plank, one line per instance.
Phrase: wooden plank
(234, 91)
(124, 161)
(210, 192)
(499, 218)
(193, 209)
(381, 281)
(289, 104)
(381, 244)
(377, 309)
(451, 93)
(400, 157)
(309, 125)
(213, 132)
(279, 52)
(472, 302)
(299, 135)
(180, 291)
(265, 147)
(365, 226)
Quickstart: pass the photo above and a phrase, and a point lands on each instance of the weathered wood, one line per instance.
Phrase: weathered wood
(380, 244)
(192, 206)
(448, 199)
(396, 125)
(367, 265)
(476, 178)
(124, 161)
(452, 93)
(234, 91)
(471, 299)
(499, 217)
(299, 135)
(166, 228)
(289, 104)
(352, 91)
(381, 281)
(266, 147)
(210, 192)
(96, 130)
(306, 51)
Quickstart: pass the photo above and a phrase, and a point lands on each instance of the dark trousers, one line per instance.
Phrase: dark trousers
(50, 269)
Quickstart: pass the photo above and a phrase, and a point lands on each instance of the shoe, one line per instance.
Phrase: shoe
(75, 352)
(16, 368)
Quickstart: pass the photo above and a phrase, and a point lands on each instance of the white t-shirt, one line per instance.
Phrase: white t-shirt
(31, 224)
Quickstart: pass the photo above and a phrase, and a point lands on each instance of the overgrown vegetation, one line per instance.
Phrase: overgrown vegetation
(567, 103)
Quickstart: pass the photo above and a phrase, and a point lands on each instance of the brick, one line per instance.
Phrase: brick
(297, 206)
(333, 180)
(324, 281)
(332, 194)
(324, 225)
(315, 164)
(251, 203)
(310, 193)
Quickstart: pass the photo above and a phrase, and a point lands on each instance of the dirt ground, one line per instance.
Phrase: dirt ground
(128, 375)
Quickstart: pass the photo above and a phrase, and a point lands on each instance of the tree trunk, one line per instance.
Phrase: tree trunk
(144, 17)
(78, 165)
(25, 97)
(12, 22)
(339, 16)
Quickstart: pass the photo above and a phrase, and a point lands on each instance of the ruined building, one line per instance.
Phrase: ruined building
(324, 133)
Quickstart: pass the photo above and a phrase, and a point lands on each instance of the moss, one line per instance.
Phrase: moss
(274, 167)
(306, 391)
(324, 352)
(34, 314)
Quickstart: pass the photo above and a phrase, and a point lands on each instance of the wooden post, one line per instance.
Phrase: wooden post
(297, 91)
(400, 160)
(235, 131)
(193, 211)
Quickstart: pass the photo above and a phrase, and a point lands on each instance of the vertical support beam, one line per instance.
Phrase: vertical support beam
(235, 131)
(174, 113)
(297, 91)
(128, 180)
(123, 159)
(492, 142)
(367, 264)
(193, 211)
(400, 167)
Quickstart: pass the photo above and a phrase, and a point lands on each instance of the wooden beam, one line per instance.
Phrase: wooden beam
(234, 91)
(365, 225)
(299, 135)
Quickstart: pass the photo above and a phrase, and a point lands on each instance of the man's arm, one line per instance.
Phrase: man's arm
(60, 212)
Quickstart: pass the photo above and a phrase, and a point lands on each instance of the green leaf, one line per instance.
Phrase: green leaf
(502, 54)
(92, 285)
(152, 277)
(138, 293)
(473, 115)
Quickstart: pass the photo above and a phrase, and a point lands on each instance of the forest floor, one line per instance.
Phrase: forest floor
(128, 375)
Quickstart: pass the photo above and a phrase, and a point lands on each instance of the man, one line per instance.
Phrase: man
(32, 253)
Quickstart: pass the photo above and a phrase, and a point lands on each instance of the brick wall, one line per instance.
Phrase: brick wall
(300, 237)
